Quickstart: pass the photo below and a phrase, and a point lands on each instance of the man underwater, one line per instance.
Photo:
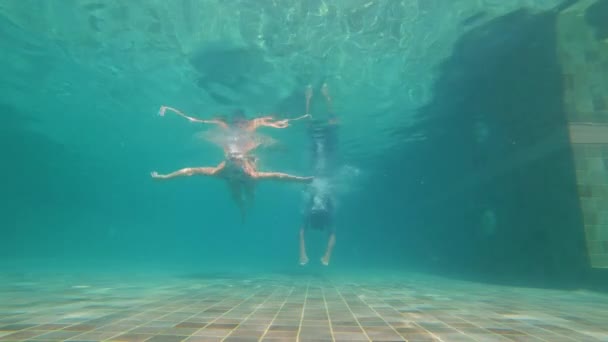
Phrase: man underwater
(319, 202)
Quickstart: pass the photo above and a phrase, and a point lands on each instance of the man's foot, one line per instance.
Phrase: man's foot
(325, 90)
(308, 92)
(303, 260)
(325, 260)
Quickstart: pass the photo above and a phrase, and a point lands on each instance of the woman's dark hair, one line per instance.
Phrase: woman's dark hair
(238, 116)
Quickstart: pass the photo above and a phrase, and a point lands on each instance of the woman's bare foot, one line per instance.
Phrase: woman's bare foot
(155, 174)
(303, 260)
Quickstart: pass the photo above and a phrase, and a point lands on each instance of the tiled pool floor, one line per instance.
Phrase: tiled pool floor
(291, 308)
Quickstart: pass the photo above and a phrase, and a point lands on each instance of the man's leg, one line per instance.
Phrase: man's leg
(330, 247)
(325, 92)
(308, 94)
(303, 256)
(280, 176)
(189, 171)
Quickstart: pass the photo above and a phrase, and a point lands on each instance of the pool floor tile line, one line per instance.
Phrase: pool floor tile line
(279, 308)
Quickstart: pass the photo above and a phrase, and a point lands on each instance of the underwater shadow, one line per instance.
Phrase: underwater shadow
(500, 203)
(224, 71)
(36, 177)
(34, 153)
(596, 17)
